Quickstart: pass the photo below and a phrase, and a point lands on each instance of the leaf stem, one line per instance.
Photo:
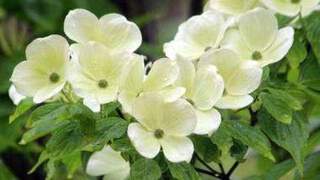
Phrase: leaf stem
(207, 172)
(234, 167)
(206, 165)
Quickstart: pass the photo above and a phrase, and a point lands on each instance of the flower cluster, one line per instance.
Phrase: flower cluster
(215, 61)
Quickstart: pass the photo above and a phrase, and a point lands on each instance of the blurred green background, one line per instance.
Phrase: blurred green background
(21, 21)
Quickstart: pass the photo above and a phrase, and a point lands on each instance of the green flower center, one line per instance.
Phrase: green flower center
(256, 55)
(158, 133)
(102, 83)
(54, 77)
(295, 1)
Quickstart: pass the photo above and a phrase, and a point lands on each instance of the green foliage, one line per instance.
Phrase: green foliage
(246, 134)
(22, 108)
(145, 169)
(183, 171)
(206, 149)
(291, 137)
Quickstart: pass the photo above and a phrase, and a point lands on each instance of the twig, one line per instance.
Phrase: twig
(207, 172)
(221, 168)
(206, 165)
(234, 166)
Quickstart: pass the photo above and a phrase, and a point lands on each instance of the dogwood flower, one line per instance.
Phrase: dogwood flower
(292, 7)
(42, 75)
(95, 71)
(160, 79)
(15, 96)
(204, 87)
(162, 124)
(109, 163)
(112, 30)
(240, 77)
(231, 7)
(196, 35)
(258, 38)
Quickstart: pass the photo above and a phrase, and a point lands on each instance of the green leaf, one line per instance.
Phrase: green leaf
(21, 109)
(309, 73)
(183, 171)
(312, 26)
(311, 167)
(42, 158)
(291, 137)
(249, 136)
(279, 170)
(145, 169)
(72, 162)
(66, 139)
(205, 148)
(277, 107)
(238, 150)
(49, 117)
(297, 53)
(110, 128)
(222, 139)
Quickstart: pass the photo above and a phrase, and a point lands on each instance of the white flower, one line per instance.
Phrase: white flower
(258, 38)
(95, 71)
(292, 7)
(112, 30)
(231, 7)
(109, 163)
(42, 75)
(196, 35)
(162, 124)
(15, 96)
(204, 87)
(240, 77)
(160, 79)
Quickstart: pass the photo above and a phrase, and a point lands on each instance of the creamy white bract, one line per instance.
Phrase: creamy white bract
(211, 65)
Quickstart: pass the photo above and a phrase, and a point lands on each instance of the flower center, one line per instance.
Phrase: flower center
(103, 83)
(158, 133)
(295, 1)
(54, 77)
(256, 55)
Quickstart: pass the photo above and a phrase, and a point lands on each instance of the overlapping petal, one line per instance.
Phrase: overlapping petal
(207, 121)
(143, 140)
(196, 35)
(177, 149)
(113, 30)
(109, 163)
(234, 102)
(232, 7)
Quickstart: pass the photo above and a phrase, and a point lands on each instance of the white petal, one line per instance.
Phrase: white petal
(283, 7)
(15, 96)
(186, 74)
(195, 35)
(144, 141)
(51, 51)
(177, 149)
(232, 7)
(225, 60)
(174, 118)
(163, 73)
(92, 104)
(47, 92)
(172, 94)
(207, 121)
(234, 41)
(245, 79)
(308, 6)
(279, 48)
(259, 28)
(81, 26)
(119, 34)
(133, 76)
(207, 88)
(126, 100)
(234, 102)
(107, 162)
